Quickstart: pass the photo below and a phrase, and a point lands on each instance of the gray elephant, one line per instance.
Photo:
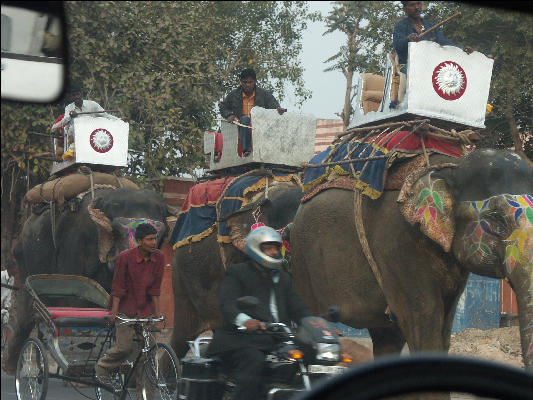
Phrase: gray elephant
(84, 239)
(198, 268)
(398, 264)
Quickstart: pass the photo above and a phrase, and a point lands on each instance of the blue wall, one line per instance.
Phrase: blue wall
(479, 307)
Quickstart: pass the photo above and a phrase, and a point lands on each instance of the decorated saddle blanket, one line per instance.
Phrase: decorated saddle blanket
(370, 175)
(198, 217)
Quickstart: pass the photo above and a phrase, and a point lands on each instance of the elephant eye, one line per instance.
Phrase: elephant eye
(498, 225)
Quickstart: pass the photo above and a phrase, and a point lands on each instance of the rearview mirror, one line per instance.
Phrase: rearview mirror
(33, 51)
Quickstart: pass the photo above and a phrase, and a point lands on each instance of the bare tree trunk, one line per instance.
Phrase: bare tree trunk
(518, 144)
(347, 110)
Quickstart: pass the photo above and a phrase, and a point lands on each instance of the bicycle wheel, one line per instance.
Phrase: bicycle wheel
(160, 376)
(32, 371)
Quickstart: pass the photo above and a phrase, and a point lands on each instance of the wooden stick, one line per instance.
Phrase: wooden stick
(438, 25)
(235, 123)
(386, 125)
(45, 134)
(355, 160)
(94, 112)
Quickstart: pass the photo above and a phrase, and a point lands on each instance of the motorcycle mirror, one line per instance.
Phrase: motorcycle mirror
(333, 314)
(247, 302)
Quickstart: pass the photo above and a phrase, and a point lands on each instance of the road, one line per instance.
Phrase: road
(57, 390)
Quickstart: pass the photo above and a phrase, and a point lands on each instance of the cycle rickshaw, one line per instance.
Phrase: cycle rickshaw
(71, 333)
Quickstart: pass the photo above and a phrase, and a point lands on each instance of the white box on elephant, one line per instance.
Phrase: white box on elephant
(443, 83)
(287, 139)
(98, 141)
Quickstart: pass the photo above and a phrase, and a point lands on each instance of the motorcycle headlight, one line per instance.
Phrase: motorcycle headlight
(328, 352)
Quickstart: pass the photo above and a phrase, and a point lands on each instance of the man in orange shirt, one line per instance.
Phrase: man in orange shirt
(239, 103)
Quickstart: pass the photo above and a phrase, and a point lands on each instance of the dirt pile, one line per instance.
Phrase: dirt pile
(498, 345)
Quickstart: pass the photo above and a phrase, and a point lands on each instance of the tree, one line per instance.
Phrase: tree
(366, 25)
(508, 37)
(164, 66)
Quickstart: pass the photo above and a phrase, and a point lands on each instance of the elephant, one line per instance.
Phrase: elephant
(84, 238)
(398, 265)
(199, 268)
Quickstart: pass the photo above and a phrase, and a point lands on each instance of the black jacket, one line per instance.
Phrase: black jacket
(232, 104)
(246, 279)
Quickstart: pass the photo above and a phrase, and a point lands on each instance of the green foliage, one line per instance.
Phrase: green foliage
(506, 35)
(164, 66)
(367, 25)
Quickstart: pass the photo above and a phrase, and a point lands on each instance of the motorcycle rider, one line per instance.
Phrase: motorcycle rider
(262, 276)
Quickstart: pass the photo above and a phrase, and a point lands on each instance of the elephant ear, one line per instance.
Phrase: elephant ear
(429, 202)
(105, 231)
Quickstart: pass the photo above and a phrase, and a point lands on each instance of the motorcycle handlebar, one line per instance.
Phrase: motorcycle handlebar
(149, 320)
(270, 327)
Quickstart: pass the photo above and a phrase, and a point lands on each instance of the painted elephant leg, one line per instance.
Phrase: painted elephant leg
(386, 340)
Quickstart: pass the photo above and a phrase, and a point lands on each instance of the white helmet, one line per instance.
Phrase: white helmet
(253, 242)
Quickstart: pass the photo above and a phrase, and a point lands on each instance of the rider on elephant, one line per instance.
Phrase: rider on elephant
(78, 105)
(239, 103)
(134, 294)
(408, 29)
(263, 276)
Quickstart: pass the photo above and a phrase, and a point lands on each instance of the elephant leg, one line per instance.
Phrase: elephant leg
(187, 324)
(22, 327)
(386, 340)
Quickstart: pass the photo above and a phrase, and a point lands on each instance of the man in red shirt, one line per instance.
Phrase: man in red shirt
(134, 294)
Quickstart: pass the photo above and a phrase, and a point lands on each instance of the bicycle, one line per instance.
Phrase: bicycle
(68, 340)
(160, 369)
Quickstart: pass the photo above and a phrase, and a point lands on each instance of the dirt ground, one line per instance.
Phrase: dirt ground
(498, 345)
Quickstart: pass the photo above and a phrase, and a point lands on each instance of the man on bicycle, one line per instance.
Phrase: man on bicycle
(261, 276)
(134, 294)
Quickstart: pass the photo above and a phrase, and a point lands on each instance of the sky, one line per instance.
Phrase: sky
(327, 87)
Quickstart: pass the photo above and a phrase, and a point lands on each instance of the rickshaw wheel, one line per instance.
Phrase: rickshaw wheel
(32, 371)
(160, 376)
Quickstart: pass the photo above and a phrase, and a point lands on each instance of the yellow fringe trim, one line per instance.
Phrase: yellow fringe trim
(223, 239)
(226, 239)
(195, 238)
(261, 183)
(197, 206)
(367, 190)
(309, 185)
(340, 171)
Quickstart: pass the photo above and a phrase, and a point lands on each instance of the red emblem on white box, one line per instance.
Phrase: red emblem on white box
(101, 140)
(449, 80)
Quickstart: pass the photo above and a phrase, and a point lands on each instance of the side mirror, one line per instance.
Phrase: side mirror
(33, 51)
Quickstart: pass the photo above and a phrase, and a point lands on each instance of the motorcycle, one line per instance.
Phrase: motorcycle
(304, 355)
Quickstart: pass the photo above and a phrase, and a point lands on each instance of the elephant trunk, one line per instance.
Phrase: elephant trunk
(521, 279)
